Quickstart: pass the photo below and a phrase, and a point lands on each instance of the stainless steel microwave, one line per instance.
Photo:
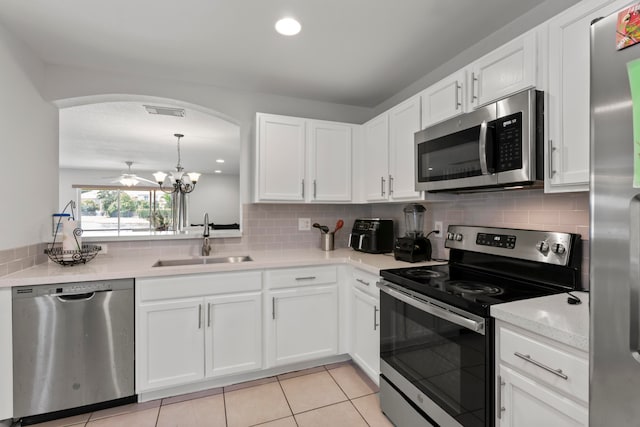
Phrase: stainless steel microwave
(498, 146)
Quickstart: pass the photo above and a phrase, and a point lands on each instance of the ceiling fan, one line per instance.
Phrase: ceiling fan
(130, 179)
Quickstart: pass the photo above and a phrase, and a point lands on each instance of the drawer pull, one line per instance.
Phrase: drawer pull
(528, 358)
(306, 278)
(364, 282)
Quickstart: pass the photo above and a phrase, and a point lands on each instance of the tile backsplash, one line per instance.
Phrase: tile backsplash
(275, 226)
(16, 259)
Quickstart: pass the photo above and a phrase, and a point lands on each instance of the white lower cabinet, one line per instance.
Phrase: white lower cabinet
(527, 403)
(365, 346)
(233, 341)
(194, 327)
(304, 324)
(6, 359)
(302, 321)
(540, 382)
(171, 343)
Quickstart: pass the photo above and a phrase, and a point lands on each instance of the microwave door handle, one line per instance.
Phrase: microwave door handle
(482, 148)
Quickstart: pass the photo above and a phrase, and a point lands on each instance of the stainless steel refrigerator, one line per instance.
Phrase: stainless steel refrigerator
(615, 227)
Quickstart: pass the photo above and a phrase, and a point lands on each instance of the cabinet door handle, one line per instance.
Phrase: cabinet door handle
(375, 318)
(552, 172)
(199, 316)
(314, 189)
(390, 184)
(305, 278)
(209, 315)
(458, 89)
(382, 186)
(273, 308)
(501, 408)
(528, 358)
(303, 188)
(364, 282)
(474, 79)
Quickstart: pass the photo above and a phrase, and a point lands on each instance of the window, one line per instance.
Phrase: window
(123, 210)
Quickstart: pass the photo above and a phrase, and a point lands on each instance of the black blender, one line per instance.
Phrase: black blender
(414, 246)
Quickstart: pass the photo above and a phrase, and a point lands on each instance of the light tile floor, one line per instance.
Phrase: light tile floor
(338, 395)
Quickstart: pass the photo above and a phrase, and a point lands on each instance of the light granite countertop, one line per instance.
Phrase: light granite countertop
(550, 316)
(105, 267)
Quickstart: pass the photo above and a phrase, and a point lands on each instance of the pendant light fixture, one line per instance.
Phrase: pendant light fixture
(180, 181)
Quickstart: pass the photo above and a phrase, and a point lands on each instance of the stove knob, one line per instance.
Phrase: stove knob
(558, 248)
(542, 246)
(458, 237)
(450, 236)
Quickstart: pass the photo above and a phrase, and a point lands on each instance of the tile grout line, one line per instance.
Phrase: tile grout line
(287, 400)
(348, 398)
(224, 404)
(158, 416)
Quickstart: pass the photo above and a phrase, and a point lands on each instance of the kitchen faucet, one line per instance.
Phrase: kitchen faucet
(206, 247)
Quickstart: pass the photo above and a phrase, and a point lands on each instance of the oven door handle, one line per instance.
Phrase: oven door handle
(430, 308)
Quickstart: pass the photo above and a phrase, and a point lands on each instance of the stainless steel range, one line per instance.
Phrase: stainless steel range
(436, 333)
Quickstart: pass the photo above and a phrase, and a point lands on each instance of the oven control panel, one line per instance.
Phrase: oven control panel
(507, 241)
(534, 245)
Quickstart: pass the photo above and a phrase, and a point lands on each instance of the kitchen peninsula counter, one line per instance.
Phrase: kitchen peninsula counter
(106, 266)
(550, 316)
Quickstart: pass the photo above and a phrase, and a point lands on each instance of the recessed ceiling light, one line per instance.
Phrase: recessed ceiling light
(220, 161)
(288, 27)
(218, 171)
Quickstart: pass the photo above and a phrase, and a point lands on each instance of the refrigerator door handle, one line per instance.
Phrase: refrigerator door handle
(634, 276)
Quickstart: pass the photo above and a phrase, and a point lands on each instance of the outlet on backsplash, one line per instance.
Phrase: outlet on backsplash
(304, 224)
(438, 226)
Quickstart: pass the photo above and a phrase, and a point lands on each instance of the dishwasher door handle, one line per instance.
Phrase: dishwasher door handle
(75, 297)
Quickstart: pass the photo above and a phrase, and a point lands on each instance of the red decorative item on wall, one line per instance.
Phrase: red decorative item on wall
(628, 27)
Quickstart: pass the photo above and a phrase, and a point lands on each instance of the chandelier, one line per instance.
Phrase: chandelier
(180, 181)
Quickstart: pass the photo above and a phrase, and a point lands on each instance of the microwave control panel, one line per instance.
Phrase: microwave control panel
(508, 135)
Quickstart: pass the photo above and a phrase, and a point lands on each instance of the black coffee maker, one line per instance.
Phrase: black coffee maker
(414, 246)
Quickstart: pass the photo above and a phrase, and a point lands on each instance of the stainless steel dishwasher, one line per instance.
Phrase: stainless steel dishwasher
(72, 345)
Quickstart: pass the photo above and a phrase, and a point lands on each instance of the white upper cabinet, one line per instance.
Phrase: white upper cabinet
(567, 166)
(504, 71)
(404, 122)
(388, 158)
(281, 158)
(445, 99)
(509, 69)
(330, 161)
(376, 158)
(303, 160)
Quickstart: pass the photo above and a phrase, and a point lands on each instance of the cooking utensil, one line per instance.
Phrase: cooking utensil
(322, 228)
(339, 225)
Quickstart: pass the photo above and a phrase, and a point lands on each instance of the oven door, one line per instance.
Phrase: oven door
(457, 153)
(435, 356)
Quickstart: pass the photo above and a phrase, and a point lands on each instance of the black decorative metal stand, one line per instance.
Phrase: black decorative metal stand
(71, 257)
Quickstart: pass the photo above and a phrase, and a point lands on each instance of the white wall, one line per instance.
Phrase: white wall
(217, 195)
(29, 126)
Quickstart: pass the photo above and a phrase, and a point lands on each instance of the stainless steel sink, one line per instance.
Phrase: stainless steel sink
(198, 261)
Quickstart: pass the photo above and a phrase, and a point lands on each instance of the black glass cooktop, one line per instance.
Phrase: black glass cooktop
(466, 288)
